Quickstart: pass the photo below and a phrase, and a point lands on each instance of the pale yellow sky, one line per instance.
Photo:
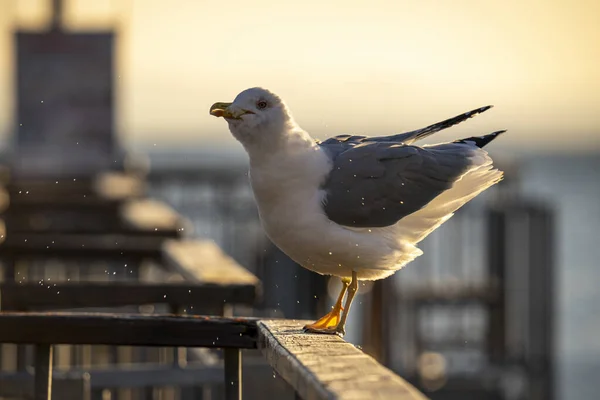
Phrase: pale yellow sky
(358, 66)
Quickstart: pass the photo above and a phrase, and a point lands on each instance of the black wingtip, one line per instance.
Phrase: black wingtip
(478, 110)
(423, 133)
(481, 141)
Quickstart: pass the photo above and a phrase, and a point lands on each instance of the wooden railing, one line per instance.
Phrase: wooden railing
(117, 224)
(316, 366)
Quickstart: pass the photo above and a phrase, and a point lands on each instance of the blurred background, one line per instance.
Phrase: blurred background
(504, 304)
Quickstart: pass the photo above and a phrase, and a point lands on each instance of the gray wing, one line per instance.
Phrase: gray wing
(413, 136)
(342, 142)
(375, 184)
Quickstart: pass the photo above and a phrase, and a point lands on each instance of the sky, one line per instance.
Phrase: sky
(353, 66)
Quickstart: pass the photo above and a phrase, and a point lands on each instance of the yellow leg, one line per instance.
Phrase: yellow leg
(352, 289)
(329, 322)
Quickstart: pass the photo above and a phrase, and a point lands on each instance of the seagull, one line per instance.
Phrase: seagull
(352, 206)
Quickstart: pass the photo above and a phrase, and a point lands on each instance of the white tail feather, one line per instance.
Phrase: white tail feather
(419, 224)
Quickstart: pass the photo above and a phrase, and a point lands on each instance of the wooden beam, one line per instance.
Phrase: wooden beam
(204, 261)
(70, 295)
(153, 217)
(118, 186)
(127, 330)
(326, 367)
(80, 245)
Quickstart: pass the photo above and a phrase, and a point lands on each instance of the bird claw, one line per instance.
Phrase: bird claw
(326, 331)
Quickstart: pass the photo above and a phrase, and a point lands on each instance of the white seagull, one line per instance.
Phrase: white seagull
(352, 206)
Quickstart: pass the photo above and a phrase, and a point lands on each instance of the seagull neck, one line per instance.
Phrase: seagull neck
(292, 142)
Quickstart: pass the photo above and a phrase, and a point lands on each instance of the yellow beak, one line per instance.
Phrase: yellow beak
(221, 110)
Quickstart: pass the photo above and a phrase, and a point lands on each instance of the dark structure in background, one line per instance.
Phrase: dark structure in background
(521, 252)
(65, 103)
(484, 332)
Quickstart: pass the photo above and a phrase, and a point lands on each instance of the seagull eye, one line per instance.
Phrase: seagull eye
(261, 105)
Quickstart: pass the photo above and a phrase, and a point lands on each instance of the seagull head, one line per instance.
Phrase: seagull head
(255, 115)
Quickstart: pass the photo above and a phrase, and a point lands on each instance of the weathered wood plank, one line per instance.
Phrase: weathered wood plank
(204, 261)
(80, 245)
(118, 186)
(105, 189)
(326, 367)
(147, 215)
(110, 187)
(27, 296)
(127, 330)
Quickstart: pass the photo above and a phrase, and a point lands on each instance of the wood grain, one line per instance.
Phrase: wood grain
(323, 367)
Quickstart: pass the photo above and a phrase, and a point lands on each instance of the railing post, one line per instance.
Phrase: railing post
(233, 374)
(43, 372)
